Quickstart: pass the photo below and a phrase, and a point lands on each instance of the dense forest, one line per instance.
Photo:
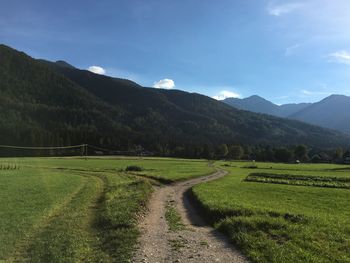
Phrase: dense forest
(54, 104)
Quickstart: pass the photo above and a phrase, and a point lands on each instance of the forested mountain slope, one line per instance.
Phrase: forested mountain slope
(47, 103)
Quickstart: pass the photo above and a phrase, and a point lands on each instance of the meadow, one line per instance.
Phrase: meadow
(281, 212)
(77, 209)
(86, 209)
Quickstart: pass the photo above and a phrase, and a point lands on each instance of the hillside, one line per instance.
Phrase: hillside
(332, 112)
(45, 103)
(196, 118)
(41, 107)
(260, 105)
(254, 104)
(286, 110)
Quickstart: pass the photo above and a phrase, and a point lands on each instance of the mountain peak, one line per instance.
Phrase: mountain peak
(336, 96)
(64, 64)
(255, 97)
(331, 112)
(255, 103)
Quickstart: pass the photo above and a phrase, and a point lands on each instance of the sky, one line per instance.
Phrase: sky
(284, 51)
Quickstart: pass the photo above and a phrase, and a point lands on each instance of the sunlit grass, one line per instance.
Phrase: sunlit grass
(280, 223)
(77, 209)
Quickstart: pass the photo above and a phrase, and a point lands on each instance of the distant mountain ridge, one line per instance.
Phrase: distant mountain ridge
(255, 104)
(332, 112)
(258, 104)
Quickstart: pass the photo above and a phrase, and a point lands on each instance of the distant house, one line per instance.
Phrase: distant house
(347, 159)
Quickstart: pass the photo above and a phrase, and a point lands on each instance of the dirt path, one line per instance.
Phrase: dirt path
(197, 242)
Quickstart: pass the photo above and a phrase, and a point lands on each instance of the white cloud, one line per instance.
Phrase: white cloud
(290, 50)
(226, 94)
(164, 84)
(341, 56)
(314, 93)
(282, 9)
(124, 74)
(97, 70)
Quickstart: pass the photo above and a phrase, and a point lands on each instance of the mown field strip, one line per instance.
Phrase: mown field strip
(276, 223)
(23, 244)
(299, 180)
(70, 236)
(29, 200)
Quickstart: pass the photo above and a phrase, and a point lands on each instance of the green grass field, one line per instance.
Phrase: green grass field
(77, 210)
(274, 222)
(86, 210)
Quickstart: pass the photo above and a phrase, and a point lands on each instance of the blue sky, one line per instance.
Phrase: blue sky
(285, 51)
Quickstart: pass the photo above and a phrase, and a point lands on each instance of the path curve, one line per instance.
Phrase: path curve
(197, 242)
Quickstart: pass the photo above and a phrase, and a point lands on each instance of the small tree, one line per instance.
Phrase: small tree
(283, 154)
(208, 152)
(301, 152)
(222, 151)
(316, 159)
(338, 154)
(235, 152)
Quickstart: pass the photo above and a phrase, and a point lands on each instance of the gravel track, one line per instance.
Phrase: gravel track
(197, 242)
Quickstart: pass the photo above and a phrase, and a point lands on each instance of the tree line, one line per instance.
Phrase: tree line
(298, 153)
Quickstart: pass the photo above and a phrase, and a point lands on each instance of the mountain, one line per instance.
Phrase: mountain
(64, 64)
(255, 104)
(332, 112)
(260, 105)
(41, 107)
(286, 110)
(50, 103)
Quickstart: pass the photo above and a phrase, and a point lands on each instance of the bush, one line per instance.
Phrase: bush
(134, 168)
(250, 166)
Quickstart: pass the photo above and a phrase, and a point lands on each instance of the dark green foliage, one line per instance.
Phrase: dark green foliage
(134, 168)
(45, 103)
(283, 155)
(221, 151)
(250, 166)
(301, 152)
(316, 158)
(338, 153)
(235, 152)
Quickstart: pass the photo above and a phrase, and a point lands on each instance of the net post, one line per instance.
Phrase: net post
(86, 151)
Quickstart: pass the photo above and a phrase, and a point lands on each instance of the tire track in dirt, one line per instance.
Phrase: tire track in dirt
(197, 242)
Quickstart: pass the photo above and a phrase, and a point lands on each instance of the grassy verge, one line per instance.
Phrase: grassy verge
(123, 200)
(173, 218)
(280, 223)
